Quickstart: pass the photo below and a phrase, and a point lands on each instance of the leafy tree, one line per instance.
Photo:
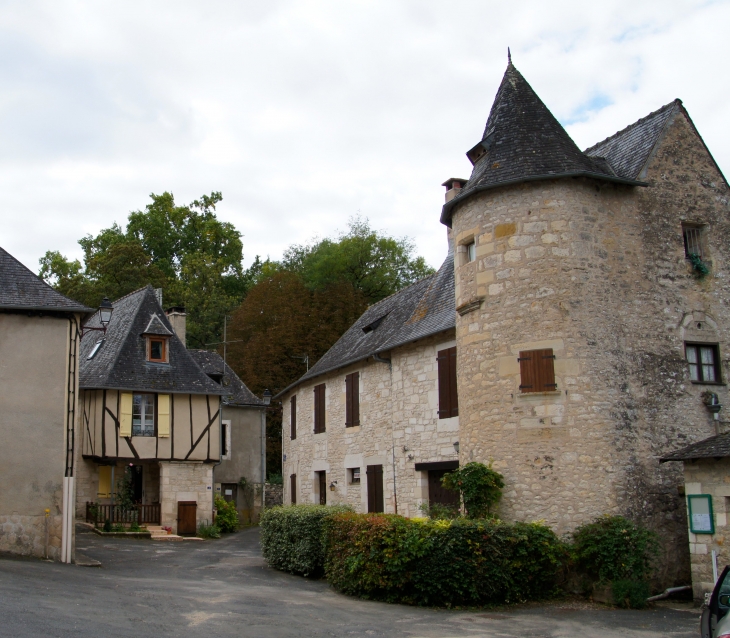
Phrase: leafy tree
(185, 250)
(375, 264)
(479, 485)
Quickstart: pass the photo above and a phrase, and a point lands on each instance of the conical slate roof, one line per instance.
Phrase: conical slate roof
(522, 142)
(120, 362)
(21, 289)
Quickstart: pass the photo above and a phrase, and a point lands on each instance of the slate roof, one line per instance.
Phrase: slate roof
(524, 142)
(237, 392)
(21, 289)
(121, 362)
(420, 310)
(714, 447)
(628, 150)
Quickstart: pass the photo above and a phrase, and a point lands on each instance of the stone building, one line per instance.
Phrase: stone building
(580, 312)
(243, 453)
(38, 396)
(147, 410)
(707, 488)
(366, 424)
(585, 330)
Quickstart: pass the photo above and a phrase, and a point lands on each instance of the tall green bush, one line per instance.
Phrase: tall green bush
(479, 485)
(226, 519)
(443, 563)
(292, 537)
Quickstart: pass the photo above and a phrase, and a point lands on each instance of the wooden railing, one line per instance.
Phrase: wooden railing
(98, 513)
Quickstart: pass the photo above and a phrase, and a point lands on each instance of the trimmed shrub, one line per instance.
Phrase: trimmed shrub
(631, 594)
(226, 519)
(479, 485)
(441, 563)
(292, 537)
(613, 548)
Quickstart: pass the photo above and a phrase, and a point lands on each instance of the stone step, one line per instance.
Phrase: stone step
(166, 537)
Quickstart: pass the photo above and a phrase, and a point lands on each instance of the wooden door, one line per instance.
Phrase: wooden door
(437, 493)
(375, 488)
(187, 517)
(230, 492)
(322, 488)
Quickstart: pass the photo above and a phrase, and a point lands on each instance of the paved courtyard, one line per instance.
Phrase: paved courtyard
(224, 588)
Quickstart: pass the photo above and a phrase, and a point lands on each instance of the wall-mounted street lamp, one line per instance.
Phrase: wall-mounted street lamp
(456, 446)
(712, 403)
(333, 486)
(105, 316)
(267, 396)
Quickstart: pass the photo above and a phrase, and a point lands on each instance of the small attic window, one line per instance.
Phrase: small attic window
(374, 325)
(95, 349)
(157, 349)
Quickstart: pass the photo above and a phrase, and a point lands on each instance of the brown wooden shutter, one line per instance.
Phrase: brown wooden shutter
(352, 399)
(537, 370)
(319, 420)
(294, 417)
(448, 395)
(293, 488)
(375, 488)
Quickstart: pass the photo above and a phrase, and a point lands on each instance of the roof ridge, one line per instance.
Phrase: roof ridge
(673, 103)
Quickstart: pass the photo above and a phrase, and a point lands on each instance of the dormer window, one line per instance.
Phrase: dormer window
(157, 349)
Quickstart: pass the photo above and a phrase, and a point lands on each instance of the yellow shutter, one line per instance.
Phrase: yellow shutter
(105, 481)
(163, 415)
(125, 415)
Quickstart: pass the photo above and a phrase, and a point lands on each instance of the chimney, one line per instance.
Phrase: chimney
(176, 316)
(453, 187)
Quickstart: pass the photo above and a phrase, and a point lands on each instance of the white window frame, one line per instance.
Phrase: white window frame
(227, 439)
(144, 427)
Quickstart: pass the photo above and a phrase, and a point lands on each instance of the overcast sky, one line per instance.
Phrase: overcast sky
(304, 113)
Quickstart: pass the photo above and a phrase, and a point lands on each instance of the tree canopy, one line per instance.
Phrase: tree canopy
(185, 250)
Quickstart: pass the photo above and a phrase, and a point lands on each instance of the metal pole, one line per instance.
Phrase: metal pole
(714, 566)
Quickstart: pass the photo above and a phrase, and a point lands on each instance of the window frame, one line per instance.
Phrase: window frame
(698, 233)
(351, 479)
(320, 408)
(448, 389)
(163, 341)
(536, 374)
(293, 418)
(352, 400)
(715, 362)
(141, 429)
(226, 442)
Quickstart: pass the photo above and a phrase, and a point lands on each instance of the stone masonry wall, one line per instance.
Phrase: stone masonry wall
(709, 476)
(596, 272)
(26, 535)
(398, 409)
(186, 481)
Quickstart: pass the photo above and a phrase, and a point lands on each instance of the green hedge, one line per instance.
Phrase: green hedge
(443, 563)
(292, 537)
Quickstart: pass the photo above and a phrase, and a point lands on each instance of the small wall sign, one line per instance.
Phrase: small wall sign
(701, 520)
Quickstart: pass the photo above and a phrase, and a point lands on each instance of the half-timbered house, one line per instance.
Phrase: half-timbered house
(147, 409)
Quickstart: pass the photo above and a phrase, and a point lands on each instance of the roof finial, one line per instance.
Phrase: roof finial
(509, 56)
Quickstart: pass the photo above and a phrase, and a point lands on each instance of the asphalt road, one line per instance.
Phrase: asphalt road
(223, 588)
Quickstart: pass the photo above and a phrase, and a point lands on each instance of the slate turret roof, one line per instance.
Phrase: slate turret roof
(522, 142)
(713, 448)
(21, 289)
(121, 361)
(237, 394)
(420, 310)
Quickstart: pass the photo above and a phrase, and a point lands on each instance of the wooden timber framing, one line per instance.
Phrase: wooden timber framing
(198, 414)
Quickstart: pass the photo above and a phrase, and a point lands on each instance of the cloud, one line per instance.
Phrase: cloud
(304, 112)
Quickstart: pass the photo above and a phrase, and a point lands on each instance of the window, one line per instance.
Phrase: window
(95, 349)
(319, 424)
(294, 417)
(157, 349)
(354, 473)
(692, 235)
(352, 400)
(226, 451)
(373, 325)
(322, 485)
(537, 371)
(703, 362)
(471, 252)
(293, 489)
(448, 396)
(143, 415)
